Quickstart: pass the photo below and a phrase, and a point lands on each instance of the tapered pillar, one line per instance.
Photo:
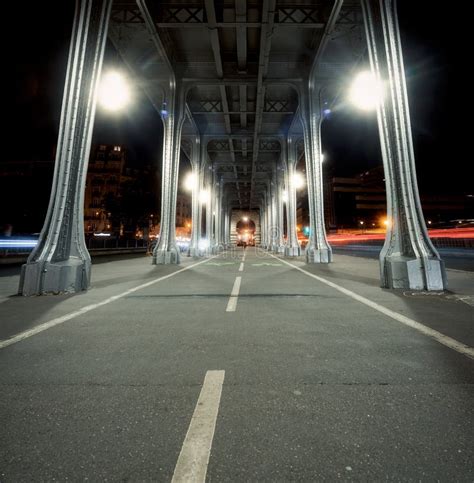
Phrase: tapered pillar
(268, 217)
(209, 217)
(212, 214)
(60, 262)
(166, 251)
(226, 227)
(273, 215)
(408, 258)
(218, 215)
(292, 248)
(195, 203)
(279, 176)
(263, 232)
(318, 249)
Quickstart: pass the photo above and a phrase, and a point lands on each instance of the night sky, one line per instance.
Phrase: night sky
(432, 37)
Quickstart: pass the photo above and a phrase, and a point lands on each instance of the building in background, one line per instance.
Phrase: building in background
(361, 201)
(183, 210)
(120, 199)
(105, 176)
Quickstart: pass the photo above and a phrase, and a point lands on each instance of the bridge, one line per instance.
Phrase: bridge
(242, 88)
(261, 363)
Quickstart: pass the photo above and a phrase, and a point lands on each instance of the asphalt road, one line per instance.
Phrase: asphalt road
(310, 383)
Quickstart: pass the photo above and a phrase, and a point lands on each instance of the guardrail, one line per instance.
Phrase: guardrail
(17, 249)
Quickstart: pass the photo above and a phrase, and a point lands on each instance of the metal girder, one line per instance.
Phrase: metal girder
(272, 106)
(241, 33)
(243, 124)
(268, 15)
(326, 35)
(263, 151)
(214, 36)
(193, 17)
(296, 15)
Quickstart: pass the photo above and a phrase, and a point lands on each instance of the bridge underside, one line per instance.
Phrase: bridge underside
(242, 87)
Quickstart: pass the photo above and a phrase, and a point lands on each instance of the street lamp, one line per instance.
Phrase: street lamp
(204, 196)
(190, 182)
(114, 93)
(298, 180)
(366, 91)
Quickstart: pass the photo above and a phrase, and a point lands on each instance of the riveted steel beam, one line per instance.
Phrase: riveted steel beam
(268, 18)
(408, 258)
(60, 261)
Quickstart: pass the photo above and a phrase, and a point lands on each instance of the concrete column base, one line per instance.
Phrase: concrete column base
(292, 251)
(68, 276)
(318, 255)
(280, 249)
(195, 252)
(166, 257)
(414, 274)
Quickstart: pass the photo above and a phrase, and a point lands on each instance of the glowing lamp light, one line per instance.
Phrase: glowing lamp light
(203, 244)
(190, 182)
(204, 196)
(366, 92)
(386, 222)
(298, 180)
(114, 93)
(245, 218)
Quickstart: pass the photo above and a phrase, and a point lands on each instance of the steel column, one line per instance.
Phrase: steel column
(318, 249)
(212, 213)
(280, 246)
(292, 248)
(166, 251)
(193, 250)
(273, 227)
(263, 221)
(408, 258)
(60, 262)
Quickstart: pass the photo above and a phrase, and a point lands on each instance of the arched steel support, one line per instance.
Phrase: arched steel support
(318, 249)
(408, 258)
(196, 161)
(292, 248)
(166, 251)
(60, 262)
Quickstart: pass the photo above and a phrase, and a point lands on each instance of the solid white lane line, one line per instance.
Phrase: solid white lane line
(234, 295)
(59, 320)
(434, 334)
(241, 268)
(194, 456)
